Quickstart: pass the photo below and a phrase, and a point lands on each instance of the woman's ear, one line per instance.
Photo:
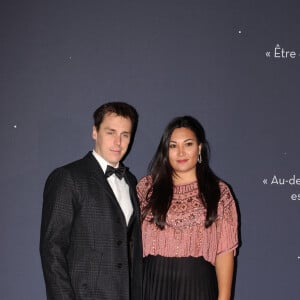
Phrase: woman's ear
(200, 147)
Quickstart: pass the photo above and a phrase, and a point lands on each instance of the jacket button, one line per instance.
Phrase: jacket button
(119, 243)
(119, 265)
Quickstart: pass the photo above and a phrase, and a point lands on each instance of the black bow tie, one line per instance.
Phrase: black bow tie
(119, 172)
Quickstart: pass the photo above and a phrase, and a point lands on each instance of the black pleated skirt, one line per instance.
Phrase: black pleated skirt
(184, 278)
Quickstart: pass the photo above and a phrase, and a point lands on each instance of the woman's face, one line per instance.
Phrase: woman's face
(183, 152)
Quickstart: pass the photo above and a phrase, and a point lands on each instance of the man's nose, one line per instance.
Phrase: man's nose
(118, 140)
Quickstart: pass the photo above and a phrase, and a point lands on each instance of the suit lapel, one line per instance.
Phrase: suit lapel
(100, 178)
(102, 182)
(133, 198)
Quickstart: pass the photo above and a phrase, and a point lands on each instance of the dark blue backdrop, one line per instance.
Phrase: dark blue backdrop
(232, 64)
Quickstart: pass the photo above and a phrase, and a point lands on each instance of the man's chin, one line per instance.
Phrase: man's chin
(116, 159)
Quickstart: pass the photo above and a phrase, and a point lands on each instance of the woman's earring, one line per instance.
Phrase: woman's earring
(199, 158)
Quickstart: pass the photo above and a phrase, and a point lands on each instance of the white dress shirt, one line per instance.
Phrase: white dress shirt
(119, 187)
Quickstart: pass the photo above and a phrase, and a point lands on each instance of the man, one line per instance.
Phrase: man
(90, 235)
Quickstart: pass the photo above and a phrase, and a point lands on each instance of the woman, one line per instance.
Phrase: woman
(189, 220)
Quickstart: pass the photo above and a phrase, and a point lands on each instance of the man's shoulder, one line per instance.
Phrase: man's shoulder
(79, 163)
(78, 166)
(74, 175)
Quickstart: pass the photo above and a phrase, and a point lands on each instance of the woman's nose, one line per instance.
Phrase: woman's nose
(181, 151)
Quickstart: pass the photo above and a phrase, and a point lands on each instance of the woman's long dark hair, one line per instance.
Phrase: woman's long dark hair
(161, 193)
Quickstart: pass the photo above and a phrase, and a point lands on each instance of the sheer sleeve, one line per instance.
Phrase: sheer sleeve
(142, 190)
(227, 222)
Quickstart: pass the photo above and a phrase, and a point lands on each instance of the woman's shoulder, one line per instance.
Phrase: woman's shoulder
(225, 193)
(143, 187)
(145, 181)
(223, 186)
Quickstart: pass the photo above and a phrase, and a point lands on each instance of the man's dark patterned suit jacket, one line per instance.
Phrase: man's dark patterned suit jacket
(87, 250)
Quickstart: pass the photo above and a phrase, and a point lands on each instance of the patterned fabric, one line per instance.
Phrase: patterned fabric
(87, 249)
(118, 185)
(185, 234)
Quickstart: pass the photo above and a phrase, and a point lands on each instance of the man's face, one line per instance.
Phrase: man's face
(113, 137)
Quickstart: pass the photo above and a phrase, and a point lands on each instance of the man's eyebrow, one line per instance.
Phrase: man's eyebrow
(114, 130)
(109, 128)
(127, 132)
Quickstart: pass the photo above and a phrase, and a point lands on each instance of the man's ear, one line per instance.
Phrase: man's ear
(94, 133)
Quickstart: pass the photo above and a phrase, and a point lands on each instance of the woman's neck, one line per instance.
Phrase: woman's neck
(179, 179)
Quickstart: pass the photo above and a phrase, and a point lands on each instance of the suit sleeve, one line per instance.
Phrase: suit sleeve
(57, 218)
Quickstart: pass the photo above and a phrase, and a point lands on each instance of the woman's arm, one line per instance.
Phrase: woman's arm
(224, 270)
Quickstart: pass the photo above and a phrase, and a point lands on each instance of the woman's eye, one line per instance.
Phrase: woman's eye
(172, 146)
(189, 144)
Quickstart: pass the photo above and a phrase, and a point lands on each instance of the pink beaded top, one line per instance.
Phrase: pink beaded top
(185, 234)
